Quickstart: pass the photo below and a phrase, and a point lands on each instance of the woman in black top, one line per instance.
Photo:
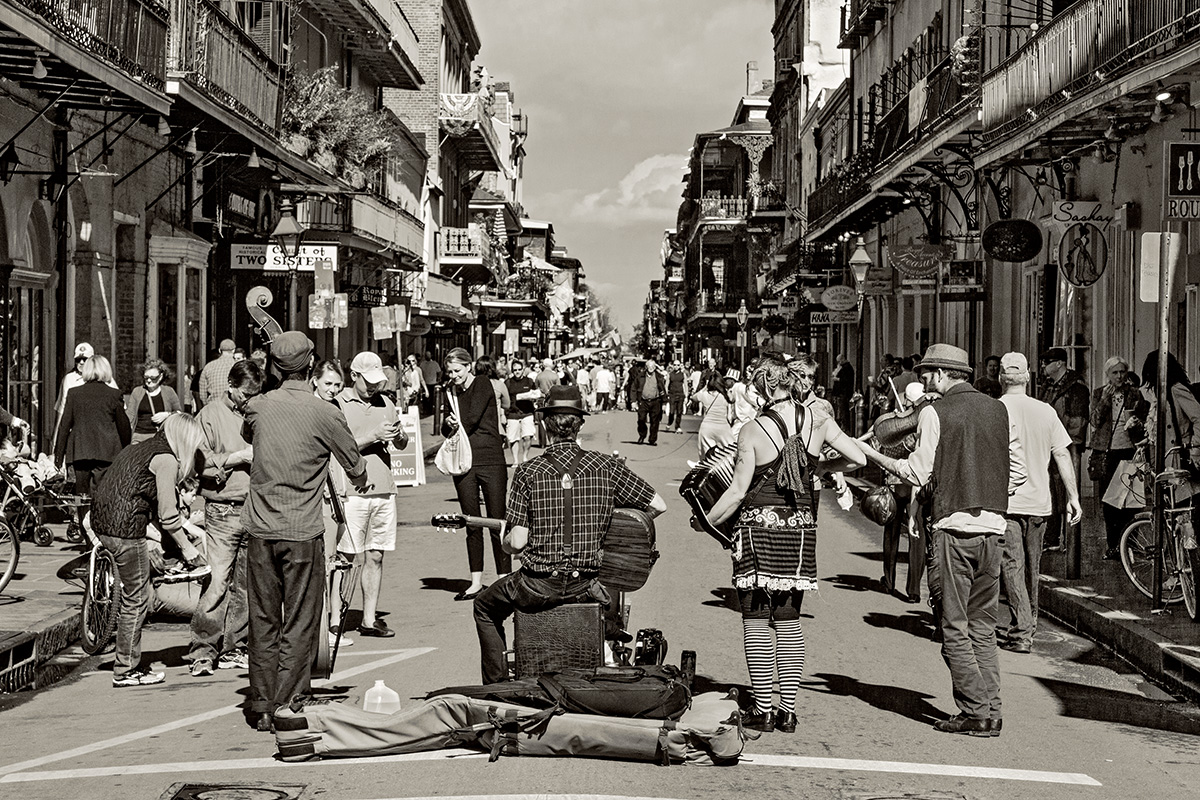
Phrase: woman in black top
(94, 427)
(480, 418)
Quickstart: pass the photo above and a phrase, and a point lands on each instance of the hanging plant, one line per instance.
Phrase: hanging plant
(337, 120)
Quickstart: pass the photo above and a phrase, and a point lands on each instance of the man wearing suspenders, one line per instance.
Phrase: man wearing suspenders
(559, 508)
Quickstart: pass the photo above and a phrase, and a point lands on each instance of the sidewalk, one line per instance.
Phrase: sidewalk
(39, 612)
(1103, 605)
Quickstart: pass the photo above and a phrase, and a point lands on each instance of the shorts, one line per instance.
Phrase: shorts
(518, 429)
(370, 524)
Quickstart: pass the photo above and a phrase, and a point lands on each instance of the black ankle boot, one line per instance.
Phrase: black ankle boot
(758, 720)
(785, 721)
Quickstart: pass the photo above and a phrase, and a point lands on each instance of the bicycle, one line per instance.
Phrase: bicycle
(10, 553)
(1181, 561)
(101, 601)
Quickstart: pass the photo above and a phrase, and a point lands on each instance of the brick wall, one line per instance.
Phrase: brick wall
(419, 108)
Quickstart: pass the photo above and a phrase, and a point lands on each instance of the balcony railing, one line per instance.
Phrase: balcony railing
(130, 34)
(1082, 48)
(466, 118)
(211, 53)
(848, 183)
(376, 219)
(722, 207)
(858, 20)
(711, 301)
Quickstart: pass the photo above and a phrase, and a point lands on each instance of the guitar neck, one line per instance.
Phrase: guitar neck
(484, 522)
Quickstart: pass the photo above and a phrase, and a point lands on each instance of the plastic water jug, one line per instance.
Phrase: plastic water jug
(381, 700)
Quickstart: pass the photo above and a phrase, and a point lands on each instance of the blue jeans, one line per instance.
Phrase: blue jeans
(1021, 567)
(969, 573)
(222, 620)
(133, 568)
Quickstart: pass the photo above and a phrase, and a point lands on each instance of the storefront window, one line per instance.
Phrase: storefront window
(25, 367)
(168, 314)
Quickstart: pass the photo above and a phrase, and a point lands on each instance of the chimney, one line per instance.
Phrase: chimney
(751, 77)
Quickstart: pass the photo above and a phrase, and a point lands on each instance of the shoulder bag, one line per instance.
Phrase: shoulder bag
(454, 456)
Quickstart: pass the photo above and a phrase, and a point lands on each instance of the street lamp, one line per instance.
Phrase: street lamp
(743, 317)
(288, 237)
(860, 263)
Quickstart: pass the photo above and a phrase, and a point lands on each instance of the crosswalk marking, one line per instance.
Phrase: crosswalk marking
(748, 759)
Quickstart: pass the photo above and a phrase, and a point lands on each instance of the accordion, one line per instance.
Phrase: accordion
(703, 486)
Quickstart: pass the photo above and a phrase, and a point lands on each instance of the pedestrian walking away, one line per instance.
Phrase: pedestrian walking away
(560, 560)
(1065, 390)
(371, 512)
(94, 427)
(214, 378)
(221, 622)
(293, 433)
(969, 450)
(774, 539)
(1043, 439)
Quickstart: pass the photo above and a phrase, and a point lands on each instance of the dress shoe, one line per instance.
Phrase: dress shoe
(758, 720)
(994, 727)
(1015, 646)
(970, 726)
(886, 585)
(466, 595)
(785, 721)
(379, 630)
(641, 440)
(265, 723)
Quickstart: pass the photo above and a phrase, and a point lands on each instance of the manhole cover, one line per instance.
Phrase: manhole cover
(235, 791)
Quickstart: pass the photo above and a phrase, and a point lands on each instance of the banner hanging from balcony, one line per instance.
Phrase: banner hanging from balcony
(919, 260)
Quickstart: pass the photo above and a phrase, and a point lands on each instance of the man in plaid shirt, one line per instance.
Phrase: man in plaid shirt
(556, 569)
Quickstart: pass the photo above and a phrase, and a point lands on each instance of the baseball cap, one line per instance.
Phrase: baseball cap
(1014, 362)
(84, 350)
(369, 366)
(292, 350)
(1053, 354)
(914, 392)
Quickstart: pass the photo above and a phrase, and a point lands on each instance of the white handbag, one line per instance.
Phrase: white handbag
(454, 456)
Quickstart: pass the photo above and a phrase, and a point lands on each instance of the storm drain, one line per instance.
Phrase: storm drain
(235, 791)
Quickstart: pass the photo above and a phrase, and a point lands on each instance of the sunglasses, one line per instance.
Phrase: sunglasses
(152, 377)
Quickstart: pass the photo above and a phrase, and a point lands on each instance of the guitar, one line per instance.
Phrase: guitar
(629, 552)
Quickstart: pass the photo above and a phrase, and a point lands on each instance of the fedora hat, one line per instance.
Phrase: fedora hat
(945, 356)
(563, 400)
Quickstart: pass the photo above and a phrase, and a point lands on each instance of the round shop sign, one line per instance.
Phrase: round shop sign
(839, 298)
(1083, 254)
(418, 326)
(1012, 240)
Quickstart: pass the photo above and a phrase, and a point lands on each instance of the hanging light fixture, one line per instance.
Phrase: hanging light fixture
(1161, 93)
(164, 129)
(192, 148)
(39, 68)
(252, 162)
(288, 234)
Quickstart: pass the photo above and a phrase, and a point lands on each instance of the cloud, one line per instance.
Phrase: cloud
(649, 191)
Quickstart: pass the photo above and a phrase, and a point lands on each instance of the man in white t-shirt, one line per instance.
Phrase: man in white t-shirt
(583, 379)
(605, 384)
(1042, 437)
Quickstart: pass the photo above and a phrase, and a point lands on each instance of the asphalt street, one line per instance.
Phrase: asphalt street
(1077, 723)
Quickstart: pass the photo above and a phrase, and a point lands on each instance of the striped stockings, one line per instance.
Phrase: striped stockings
(762, 655)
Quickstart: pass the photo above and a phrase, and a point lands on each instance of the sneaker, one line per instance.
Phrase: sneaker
(234, 659)
(201, 667)
(138, 677)
(339, 641)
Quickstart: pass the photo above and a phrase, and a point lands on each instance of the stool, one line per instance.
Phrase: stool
(568, 636)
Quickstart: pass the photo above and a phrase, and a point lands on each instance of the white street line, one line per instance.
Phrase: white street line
(116, 741)
(990, 773)
(750, 760)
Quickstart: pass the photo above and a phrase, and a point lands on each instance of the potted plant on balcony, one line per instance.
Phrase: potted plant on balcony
(346, 135)
(757, 189)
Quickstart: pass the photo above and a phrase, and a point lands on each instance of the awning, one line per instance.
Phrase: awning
(583, 352)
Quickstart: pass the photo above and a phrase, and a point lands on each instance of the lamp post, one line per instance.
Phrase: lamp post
(743, 317)
(860, 263)
(288, 237)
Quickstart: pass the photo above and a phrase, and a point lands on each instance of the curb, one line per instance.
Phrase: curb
(27, 658)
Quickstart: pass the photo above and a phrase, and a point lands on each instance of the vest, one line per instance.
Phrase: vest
(122, 501)
(970, 467)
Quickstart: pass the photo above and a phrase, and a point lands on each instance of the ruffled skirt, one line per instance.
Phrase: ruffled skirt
(775, 548)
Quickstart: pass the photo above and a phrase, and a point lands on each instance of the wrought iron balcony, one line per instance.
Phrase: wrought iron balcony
(847, 184)
(129, 34)
(465, 117)
(1082, 49)
(215, 57)
(379, 35)
(461, 243)
(722, 207)
(364, 216)
(858, 20)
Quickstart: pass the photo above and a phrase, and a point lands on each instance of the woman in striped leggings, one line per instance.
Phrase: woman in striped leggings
(774, 540)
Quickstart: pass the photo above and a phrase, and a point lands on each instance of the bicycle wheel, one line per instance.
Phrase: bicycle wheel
(1185, 561)
(101, 601)
(10, 553)
(1137, 557)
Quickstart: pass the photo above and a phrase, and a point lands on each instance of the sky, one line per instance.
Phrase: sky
(615, 92)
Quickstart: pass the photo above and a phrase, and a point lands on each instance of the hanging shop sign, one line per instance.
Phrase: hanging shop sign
(269, 258)
(1074, 212)
(367, 296)
(839, 298)
(1181, 180)
(1013, 240)
(1082, 254)
(919, 260)
(833, 317)
(963, 280)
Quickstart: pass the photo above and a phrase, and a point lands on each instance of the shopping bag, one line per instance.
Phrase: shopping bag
(1126, 489)
(454, 456)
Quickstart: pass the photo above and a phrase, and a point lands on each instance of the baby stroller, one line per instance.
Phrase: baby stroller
(31, 486)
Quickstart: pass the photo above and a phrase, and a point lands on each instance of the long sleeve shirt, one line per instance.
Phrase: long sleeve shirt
(224, 435)
(918, 468)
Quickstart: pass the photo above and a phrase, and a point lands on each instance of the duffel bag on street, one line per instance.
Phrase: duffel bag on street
(652, 691)
(709, 732)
